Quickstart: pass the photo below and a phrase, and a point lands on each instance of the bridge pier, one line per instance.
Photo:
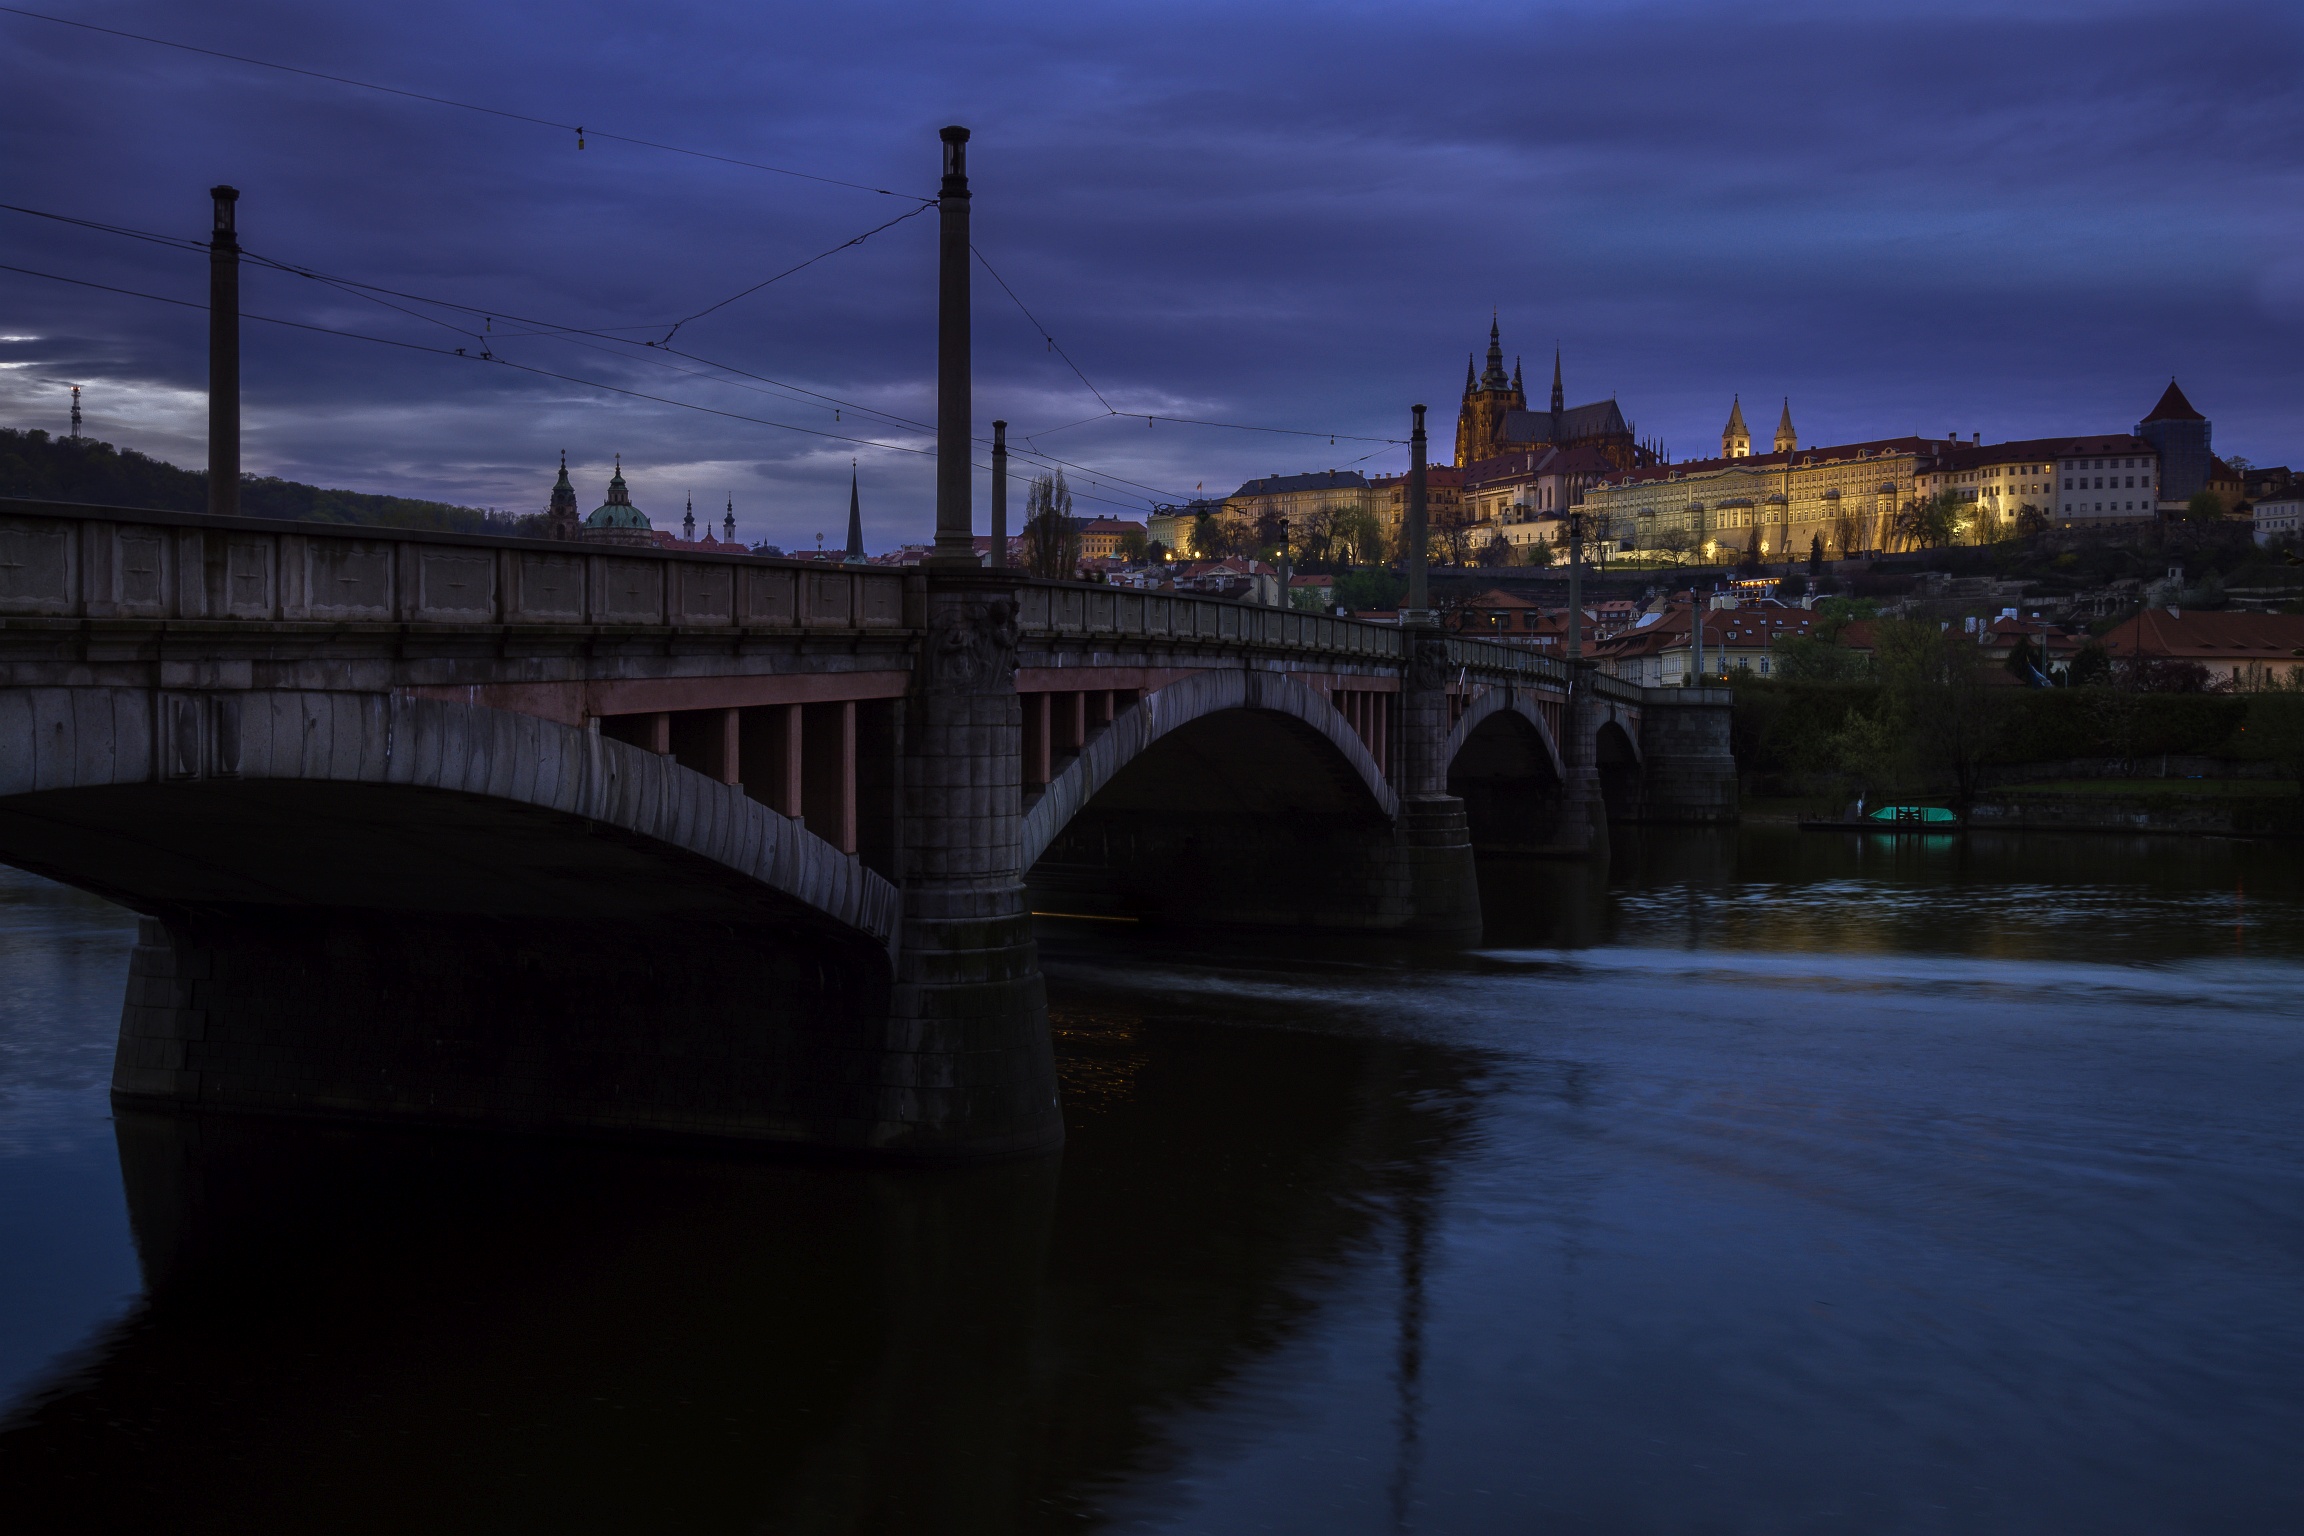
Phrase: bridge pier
(1434, 837)
(968, 1068)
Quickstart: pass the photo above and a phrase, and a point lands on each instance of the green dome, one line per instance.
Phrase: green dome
(618, 511)
(615, 515)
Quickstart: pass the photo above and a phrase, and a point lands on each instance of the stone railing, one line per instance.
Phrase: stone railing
(1497, 663)
(61, 560)
(1078, 610)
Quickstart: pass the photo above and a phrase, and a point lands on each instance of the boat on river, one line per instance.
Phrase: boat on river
(1917, 820)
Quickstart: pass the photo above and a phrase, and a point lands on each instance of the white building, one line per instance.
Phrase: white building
(2107, 481)
(2278, 517)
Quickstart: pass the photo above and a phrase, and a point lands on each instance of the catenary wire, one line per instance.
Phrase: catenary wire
(458, 352)
(578, 129)
(355, 288)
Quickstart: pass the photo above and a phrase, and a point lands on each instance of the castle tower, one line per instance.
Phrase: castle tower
(560, 516)
(1736, 438)
(728, 524)
(688, 523)
(1487, 400)
(1786, 438)
(2182, 435)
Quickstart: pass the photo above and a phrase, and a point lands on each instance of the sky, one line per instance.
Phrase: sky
(2018, 220)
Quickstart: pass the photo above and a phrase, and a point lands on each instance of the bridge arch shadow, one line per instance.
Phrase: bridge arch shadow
(1506, 767)
(1233, 798)
(413, 908)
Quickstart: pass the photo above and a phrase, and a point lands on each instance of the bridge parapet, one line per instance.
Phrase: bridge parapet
(69, 561)
(1490, 661)
(1057, 611)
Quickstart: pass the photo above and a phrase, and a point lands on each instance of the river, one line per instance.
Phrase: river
(1769, 1183)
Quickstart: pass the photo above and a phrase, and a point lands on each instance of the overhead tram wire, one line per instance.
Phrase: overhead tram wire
(373, 293)
(1146, 417)
(503, 362)
(578, 129)
(788, 271)
(485, 340)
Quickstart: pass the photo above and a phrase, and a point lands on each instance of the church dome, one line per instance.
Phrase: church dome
(617, 511)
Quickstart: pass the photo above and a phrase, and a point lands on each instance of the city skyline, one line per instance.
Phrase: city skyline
(1261, 229)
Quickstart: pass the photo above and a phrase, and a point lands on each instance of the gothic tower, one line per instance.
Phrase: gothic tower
(1480, 419)
(1786, 438)
(1736, 438)
(855, 517)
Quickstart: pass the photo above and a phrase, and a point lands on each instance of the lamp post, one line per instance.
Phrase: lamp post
(224, 357)
(955, 521)
(1575, 584)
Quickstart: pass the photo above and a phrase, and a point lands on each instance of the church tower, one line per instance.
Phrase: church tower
(1480, 419)
(1786, 438)
(560, 517)
(1736, 438)
(855, 551)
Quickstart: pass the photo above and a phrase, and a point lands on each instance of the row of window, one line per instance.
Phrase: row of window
(2101, 486)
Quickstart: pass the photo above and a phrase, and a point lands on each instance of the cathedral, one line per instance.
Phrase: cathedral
(1494, 419)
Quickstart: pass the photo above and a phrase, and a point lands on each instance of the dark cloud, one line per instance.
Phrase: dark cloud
(2009, 219)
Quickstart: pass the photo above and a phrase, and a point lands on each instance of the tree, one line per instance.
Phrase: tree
(1816, 554)
(1157, 552)
(1676, 542)
(1270, 530)
(1934, 698)
(1933, 523)
(1051, 536)
(1132, 545)
(1211, 537)
(1847, 528)
(1540, 553)
(1751, 560)
(2204, 507)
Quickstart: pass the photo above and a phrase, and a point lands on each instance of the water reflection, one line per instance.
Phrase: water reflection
(352, 1330)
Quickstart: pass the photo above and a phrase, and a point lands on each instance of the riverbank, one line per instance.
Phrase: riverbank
(2178, 807)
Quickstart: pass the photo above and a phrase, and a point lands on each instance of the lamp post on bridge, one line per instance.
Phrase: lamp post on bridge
(955, 394)
(224, 358)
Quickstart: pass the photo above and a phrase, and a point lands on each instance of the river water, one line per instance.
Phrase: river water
(1770, 1183)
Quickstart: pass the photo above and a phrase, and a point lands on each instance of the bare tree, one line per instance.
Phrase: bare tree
(1051, 536)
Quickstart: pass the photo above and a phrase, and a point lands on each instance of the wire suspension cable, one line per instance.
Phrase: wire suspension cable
(578, 129)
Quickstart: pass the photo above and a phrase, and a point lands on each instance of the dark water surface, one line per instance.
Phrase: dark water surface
(1771, 1184)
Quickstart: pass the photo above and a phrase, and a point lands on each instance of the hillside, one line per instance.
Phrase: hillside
(33, 464)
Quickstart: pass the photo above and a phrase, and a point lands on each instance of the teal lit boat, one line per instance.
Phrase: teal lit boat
(1893, 818)
(1915, 815)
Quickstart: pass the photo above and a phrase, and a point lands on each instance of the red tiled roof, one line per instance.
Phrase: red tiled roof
(2174, 407)
(2191, 635)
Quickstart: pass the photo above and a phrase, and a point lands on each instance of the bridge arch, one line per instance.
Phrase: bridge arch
(377, 906)
(1230, 800)
(1490, 702)
(190, 779)
(1180, 704)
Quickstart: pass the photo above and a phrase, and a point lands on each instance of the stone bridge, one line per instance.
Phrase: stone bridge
(558, 836)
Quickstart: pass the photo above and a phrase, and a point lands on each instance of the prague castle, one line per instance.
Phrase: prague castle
(1494, 419)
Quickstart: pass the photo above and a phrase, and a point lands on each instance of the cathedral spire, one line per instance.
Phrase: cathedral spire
(1559, 400)
(1516, 376)
(1492, 377)
(1786, 438)
(688, 523)
(1469, 376)
(728, 528)
(855, 517)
